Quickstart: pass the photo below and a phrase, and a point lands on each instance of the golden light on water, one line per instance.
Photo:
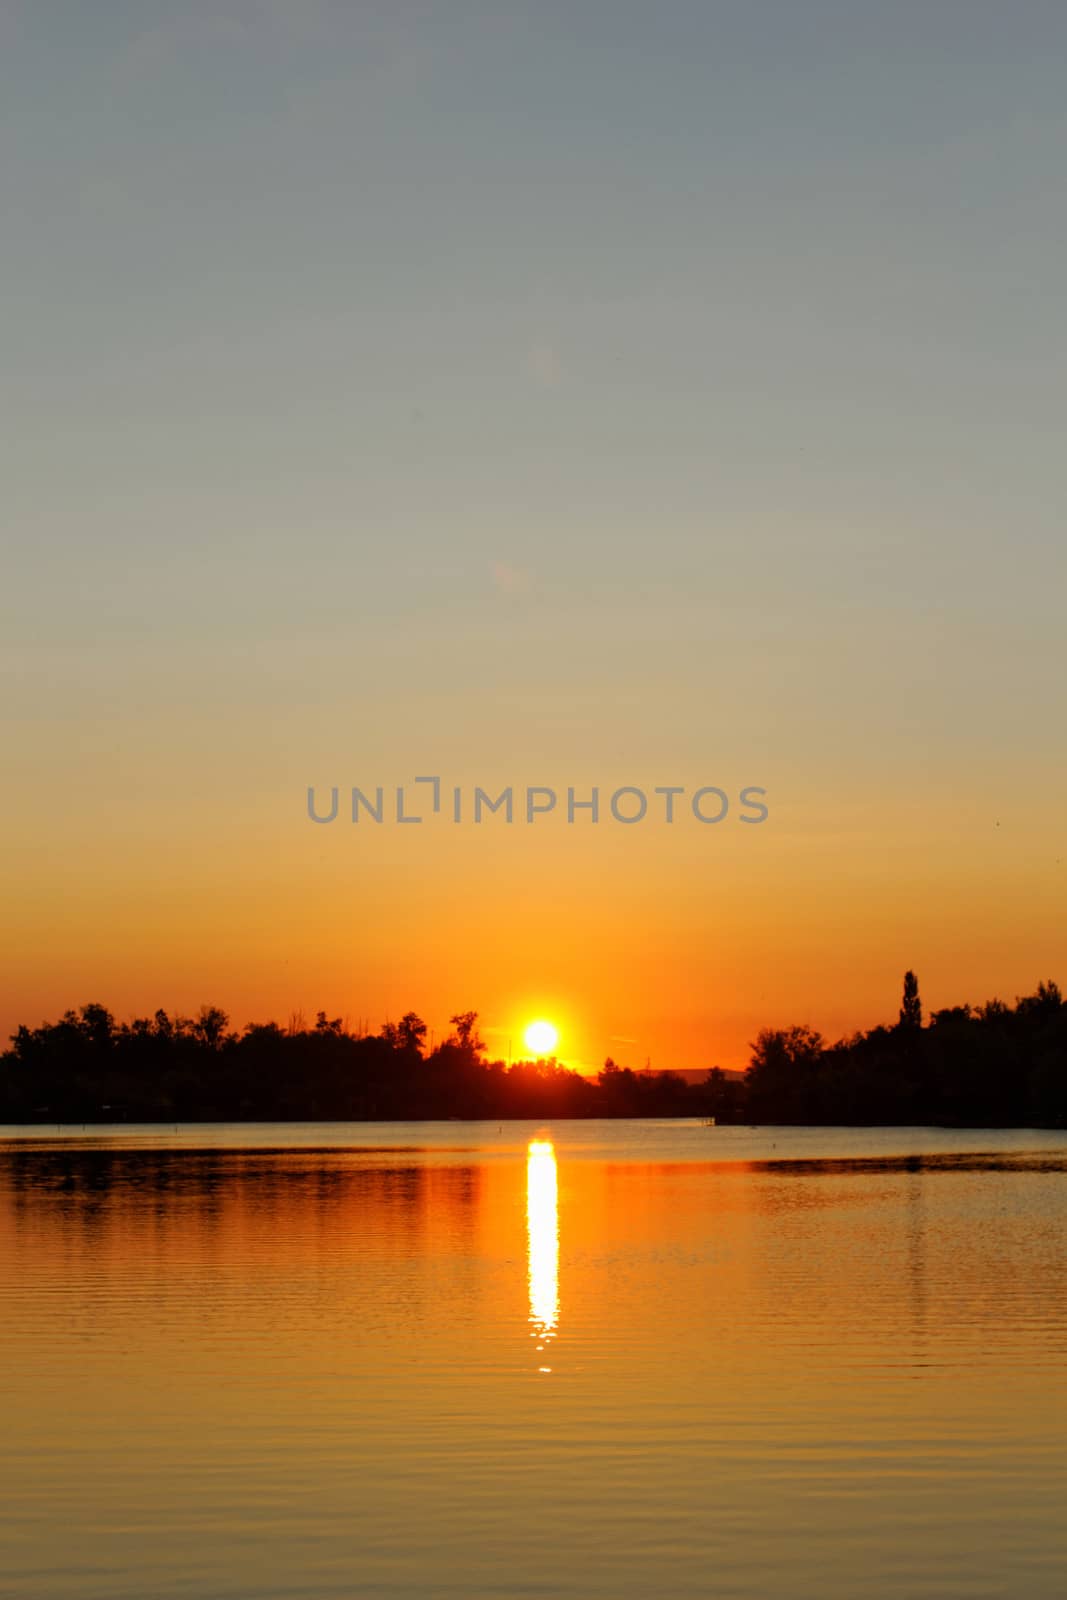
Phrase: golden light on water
(542, 1231)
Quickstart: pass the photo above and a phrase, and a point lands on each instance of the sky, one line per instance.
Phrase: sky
(568, 395)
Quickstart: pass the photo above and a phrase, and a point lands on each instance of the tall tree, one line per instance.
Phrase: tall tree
(911, 1011)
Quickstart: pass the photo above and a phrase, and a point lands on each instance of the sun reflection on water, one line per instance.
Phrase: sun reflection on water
(542, 1231)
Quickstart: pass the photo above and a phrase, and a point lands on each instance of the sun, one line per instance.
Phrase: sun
(541, 1037)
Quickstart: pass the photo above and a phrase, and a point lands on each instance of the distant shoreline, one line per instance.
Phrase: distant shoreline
(989, 1066)
(592, 1116)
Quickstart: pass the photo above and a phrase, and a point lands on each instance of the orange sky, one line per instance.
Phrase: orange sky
(669, 943)
(702, 427)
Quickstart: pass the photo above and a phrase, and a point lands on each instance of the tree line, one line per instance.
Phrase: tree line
(994, 1065)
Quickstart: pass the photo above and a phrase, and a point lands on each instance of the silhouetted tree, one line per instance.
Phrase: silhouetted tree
(722, 1096)
(992, 1065)
(465, 1036)
(1045, 1002)
(411, 1031)
(210, 1027)
(911, 1011)
(782, 1077)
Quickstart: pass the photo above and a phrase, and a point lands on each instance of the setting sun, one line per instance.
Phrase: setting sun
(541, 1037)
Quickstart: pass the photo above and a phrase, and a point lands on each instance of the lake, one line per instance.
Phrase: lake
(588, 1359)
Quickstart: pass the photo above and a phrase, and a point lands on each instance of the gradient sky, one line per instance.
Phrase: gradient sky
(540, 394)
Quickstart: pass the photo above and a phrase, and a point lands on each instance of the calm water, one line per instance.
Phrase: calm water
(611, 1359)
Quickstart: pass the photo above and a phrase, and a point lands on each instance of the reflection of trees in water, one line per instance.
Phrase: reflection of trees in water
(273, 1240)
(310, 1196)
(915, 1225)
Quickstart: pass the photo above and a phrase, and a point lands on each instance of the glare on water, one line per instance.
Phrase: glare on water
(542, 1234)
